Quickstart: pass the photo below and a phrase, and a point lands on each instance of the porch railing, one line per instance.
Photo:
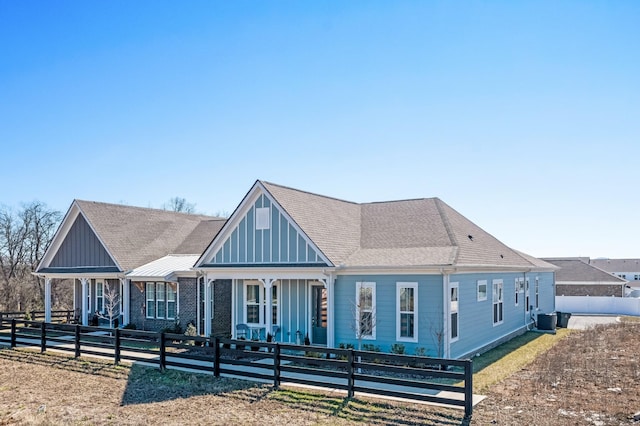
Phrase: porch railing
(435, 380)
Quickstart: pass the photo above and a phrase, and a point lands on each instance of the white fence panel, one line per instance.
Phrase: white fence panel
(598, 305)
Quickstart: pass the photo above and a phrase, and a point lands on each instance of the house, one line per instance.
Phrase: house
(628, 269)
(295, 264)
(578, 277)
(143, 256)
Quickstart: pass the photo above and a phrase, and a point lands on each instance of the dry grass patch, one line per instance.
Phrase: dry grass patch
(55, 389)
(591, 377)
(512, 356)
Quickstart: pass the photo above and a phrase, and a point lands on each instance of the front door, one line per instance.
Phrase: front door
(318, 315)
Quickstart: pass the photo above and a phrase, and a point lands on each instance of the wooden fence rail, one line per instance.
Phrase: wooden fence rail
(65, 315)
(403, 376)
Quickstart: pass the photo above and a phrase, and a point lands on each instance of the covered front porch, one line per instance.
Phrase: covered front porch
(103, 294)
(289, 306)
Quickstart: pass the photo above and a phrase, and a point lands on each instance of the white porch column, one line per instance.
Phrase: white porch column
(47, 299)
(198, 313)
(85, 305)
(207, 306)
(268, 285)
(126, 300)
(329, 286)
(331, 312)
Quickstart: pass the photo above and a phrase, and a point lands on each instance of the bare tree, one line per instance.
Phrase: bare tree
(178, 204)
(364, 314)
(24, 237)
(111, 304)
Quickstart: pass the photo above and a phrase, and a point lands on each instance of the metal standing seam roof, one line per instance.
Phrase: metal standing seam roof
(420, 232)
(165, 266)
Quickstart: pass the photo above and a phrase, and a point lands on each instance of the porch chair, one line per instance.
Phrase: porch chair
(242, 331)
(275, 329)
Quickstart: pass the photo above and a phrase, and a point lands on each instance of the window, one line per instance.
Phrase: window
(406, 308)
(519, 289)
(162, 300)
(497, 302)
(454, 312)
(89, 297)
(527, 303)
(100, 297)
(151, 300)
(536, 290)
(172, 293)
(161, 311)
(365, 310)
(252, 303)
(482, 290)
(262, 218)
(274, 304)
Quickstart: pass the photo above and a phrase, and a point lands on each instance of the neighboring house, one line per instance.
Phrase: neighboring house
(411, 272)
(577, 277)
(629, 269)
(142, 254)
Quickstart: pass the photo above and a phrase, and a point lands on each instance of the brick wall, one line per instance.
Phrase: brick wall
(221, 322)
(188, 305)
(589, 290)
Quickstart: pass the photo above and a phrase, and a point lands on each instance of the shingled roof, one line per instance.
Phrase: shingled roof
(578, 270)
(420, 232)
(135, 235)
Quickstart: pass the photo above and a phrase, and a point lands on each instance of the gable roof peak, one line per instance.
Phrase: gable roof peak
(267, 184)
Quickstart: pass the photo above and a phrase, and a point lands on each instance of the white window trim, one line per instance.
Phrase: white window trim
(263, 218)
(414, 286)
(89, 298)
(260, 302)
(371, 285)
(147, 300)
(275, 305)
(527, 295)
(537, 292)
(486, 290)
(166, 290)
(456, 311)
(98, 285)
(500, 301)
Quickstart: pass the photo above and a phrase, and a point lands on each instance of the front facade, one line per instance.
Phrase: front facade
(412, 275)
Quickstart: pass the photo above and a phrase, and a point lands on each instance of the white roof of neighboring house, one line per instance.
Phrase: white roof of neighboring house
(165, 268)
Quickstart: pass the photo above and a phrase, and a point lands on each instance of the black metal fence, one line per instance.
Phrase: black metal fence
(436, 380)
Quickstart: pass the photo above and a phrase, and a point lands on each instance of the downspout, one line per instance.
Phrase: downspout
(446, 315)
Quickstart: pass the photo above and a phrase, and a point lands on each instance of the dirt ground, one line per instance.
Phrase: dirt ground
(590, 378)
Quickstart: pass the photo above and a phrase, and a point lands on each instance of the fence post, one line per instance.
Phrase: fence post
(216, 356)
(116, 348)
(350, 373)
(468, 388)
(43, 337)
(276, 366)
(163, 352)
(76, 341)
(13, 333)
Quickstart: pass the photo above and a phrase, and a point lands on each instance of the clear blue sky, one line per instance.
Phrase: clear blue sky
(524, 116)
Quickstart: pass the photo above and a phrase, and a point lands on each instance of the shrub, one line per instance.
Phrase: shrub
(420, 351)
(397, 348)
(191, 331)
(130, 326)
(370, 347)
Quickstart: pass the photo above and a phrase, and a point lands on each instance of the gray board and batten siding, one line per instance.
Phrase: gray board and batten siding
(81, 248)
